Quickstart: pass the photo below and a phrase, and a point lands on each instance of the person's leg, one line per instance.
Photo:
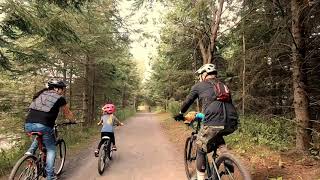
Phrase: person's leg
(29, 128)
(204, 139)
(50, 145)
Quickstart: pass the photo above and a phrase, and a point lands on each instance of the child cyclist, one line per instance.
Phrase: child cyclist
(108, 120)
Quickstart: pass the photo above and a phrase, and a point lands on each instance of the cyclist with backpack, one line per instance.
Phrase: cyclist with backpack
(221, 117)
(43, 112)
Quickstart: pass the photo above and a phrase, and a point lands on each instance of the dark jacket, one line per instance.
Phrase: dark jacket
(213, 109)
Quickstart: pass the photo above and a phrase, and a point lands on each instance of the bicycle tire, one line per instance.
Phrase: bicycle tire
(20, 162)
(220, 161)
(188, 158)
(104, 157)
(61, 151)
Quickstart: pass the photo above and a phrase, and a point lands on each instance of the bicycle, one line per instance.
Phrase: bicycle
(223, 166)
(33, 166)
(105, 154)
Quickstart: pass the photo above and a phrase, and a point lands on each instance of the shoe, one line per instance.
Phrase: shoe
(28, 153)
(96, 153)
(114, 148)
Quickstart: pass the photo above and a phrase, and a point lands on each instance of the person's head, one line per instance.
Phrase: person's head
(109, 108)
(207, 71)
(58, 86)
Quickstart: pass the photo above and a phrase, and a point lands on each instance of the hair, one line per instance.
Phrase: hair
(37, 94)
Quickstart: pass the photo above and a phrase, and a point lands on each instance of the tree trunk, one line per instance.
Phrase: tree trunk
(70, 88)
(301, 102)
(207, 52)
(86, 93)
(216, 18)
(93, 107)
(243, 73)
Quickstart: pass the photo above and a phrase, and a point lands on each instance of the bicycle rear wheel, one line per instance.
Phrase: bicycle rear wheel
(104, 156)
(230, 167)
(26, 168)
(60, 156)
(190, 154)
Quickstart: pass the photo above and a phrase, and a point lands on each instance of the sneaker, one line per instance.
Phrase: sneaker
(28, 153)
(114, 148)
(96, 153)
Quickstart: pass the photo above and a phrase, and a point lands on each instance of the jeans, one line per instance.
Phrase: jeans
(48, 141)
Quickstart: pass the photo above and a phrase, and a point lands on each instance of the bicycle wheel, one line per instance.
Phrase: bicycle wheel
(190, 154)
(61, 151)
(104, 157)
(26, 168)
(229, 167)
(110, 151)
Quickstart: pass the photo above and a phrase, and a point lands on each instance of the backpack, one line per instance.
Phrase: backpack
(222, 92)
(229, 112)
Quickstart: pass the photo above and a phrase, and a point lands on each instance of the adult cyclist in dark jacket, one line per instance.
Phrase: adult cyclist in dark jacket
(42, 115)
(215, 125)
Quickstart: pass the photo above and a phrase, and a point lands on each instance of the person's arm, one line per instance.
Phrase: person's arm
(117, 122)
(193, 95)
(100, 122)
(67, 113)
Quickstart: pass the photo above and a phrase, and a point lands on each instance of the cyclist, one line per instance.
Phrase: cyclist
(41, 117)
(214, 127)
(108, 120)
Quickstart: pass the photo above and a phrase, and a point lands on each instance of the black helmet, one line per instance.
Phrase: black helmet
(56, 84)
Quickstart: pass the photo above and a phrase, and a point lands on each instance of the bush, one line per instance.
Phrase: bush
(125, 113)
(254, 130)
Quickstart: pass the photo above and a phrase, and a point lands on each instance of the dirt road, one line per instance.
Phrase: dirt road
(144, 153)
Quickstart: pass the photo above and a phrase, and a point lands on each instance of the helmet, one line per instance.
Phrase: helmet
(109, 108)
(206, 68)
(56, 84)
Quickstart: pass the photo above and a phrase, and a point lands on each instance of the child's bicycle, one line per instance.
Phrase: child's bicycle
(105, 154)
(32, 167)
(224, 166)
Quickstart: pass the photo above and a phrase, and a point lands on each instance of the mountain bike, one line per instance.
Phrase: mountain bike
(223, 166)
(105, 154)
(32, 167)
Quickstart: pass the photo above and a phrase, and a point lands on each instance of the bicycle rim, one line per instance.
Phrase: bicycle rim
(103, 158)
(190, 158)
(25, 169)
(230, 168)
(60, 156)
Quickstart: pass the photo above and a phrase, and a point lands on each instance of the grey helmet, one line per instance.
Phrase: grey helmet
(56, 84)
(208, 68)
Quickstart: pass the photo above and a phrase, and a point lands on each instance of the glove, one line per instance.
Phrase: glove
(179, 117)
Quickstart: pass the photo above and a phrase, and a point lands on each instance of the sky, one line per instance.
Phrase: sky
(143, 49)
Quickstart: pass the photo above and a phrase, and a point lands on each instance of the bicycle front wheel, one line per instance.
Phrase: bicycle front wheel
(26, 168)
(230, 167)
(190, 154)
(61, 151)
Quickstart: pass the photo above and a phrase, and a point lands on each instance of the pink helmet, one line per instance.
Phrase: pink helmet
(109, 108)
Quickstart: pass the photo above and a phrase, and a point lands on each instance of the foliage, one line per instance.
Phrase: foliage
(254, 130)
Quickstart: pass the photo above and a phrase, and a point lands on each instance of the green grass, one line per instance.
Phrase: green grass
(275, 133)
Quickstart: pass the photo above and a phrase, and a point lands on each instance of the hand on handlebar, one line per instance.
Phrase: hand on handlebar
(179, 117)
